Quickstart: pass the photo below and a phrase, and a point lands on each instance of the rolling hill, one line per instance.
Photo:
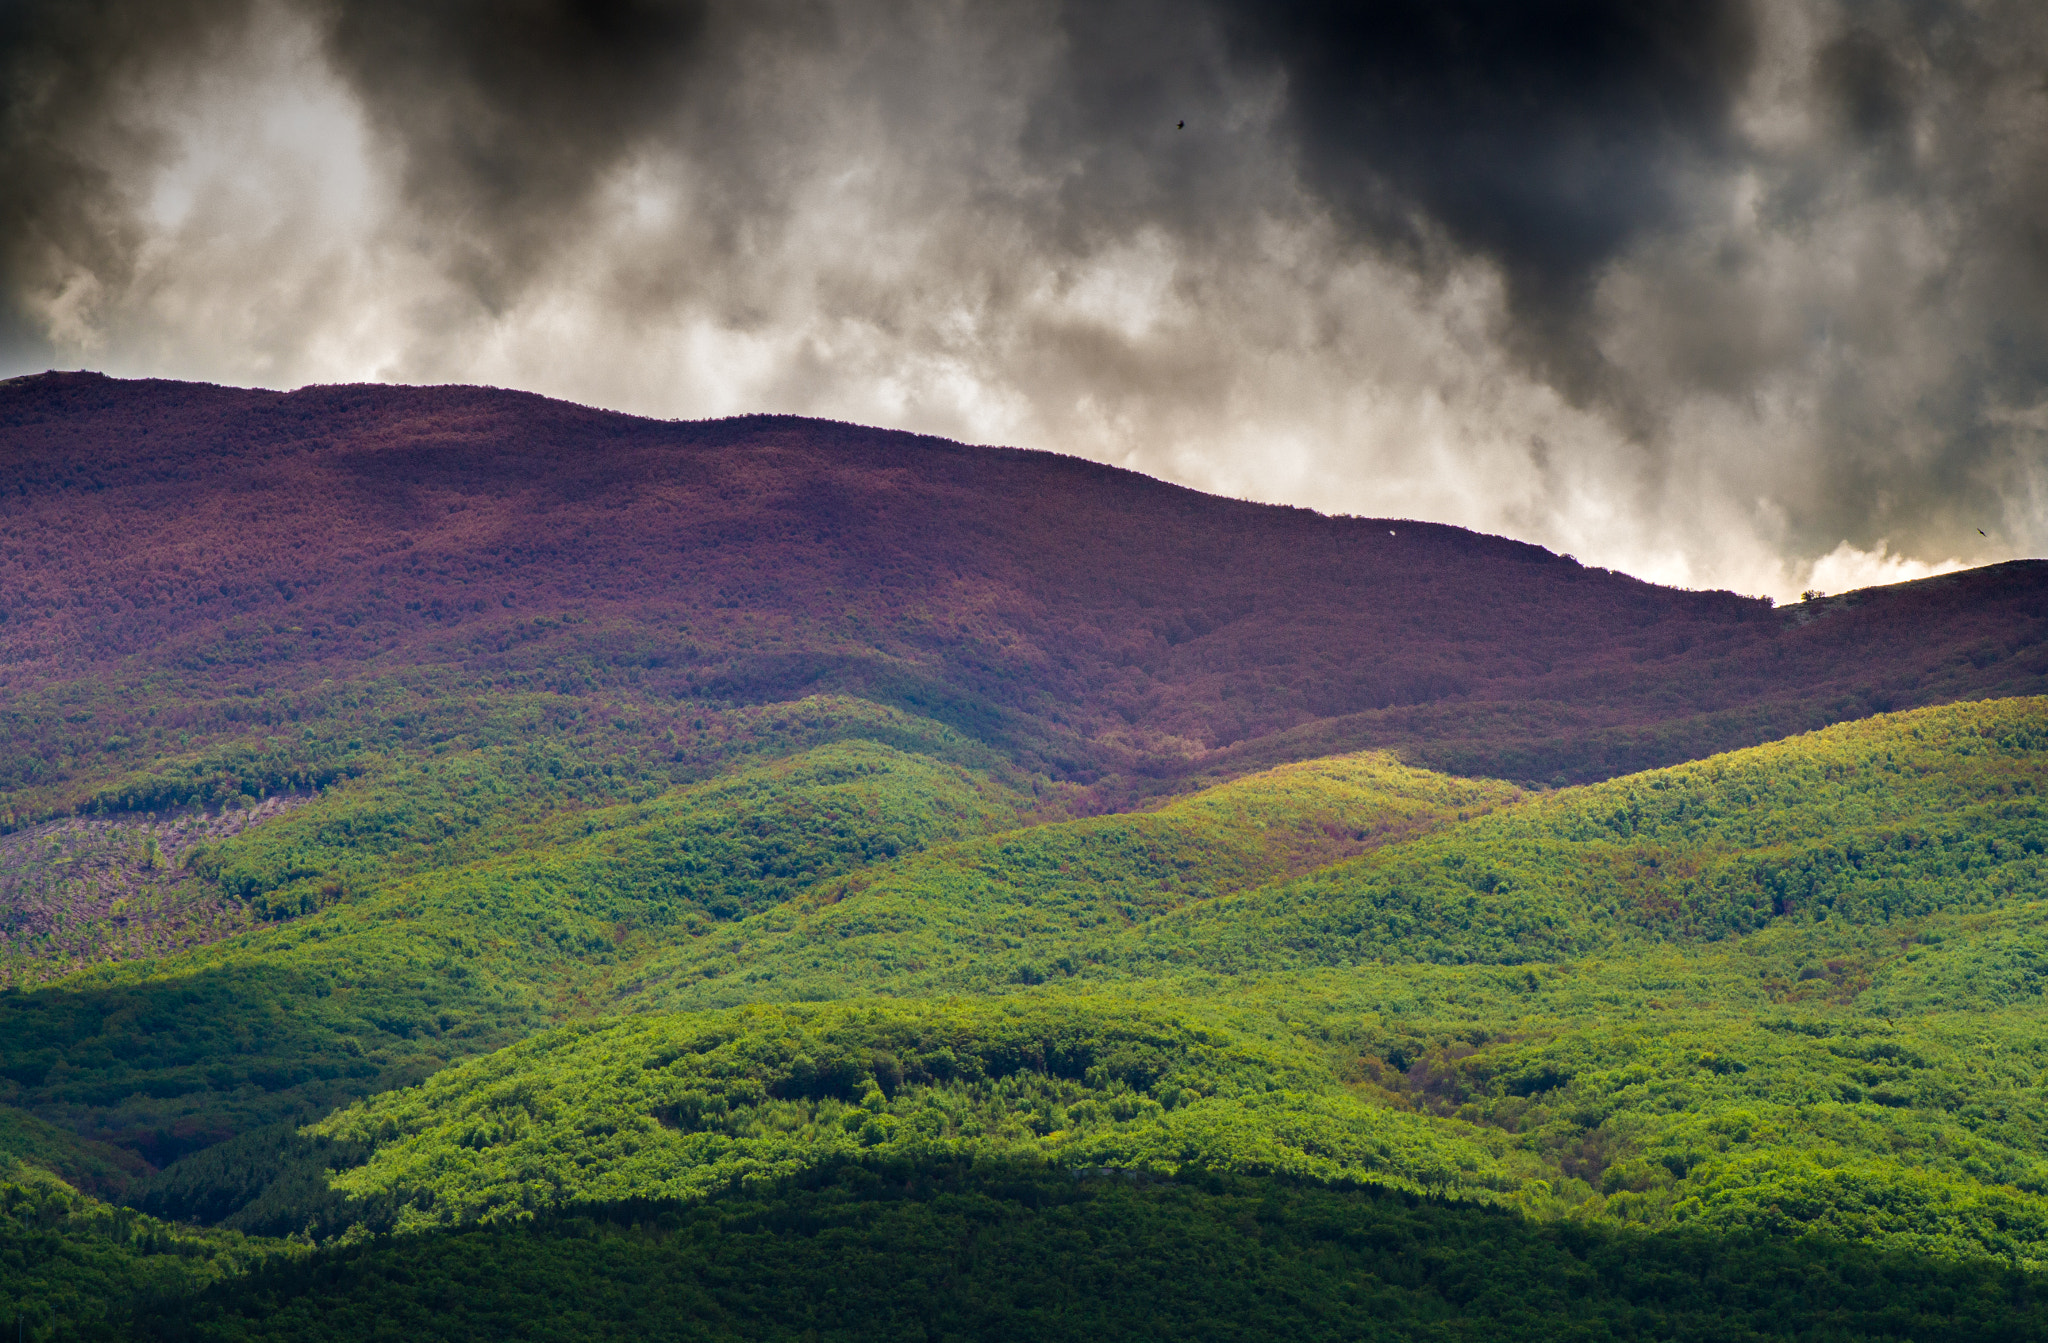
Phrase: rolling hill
(472, 866)
(181, 565)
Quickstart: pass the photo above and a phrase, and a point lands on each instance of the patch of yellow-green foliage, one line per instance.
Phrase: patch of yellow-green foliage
(1872, 823)
(679, 1106)
(1018, 907)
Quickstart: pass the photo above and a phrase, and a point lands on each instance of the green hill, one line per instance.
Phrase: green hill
(1881, 822)
(1022, 906)
(864, 986)
(421, 957)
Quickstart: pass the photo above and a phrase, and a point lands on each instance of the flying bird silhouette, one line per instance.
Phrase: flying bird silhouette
(1980, 532)
(1180, 125)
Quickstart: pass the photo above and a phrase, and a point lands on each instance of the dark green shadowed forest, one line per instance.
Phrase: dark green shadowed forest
(780, 924)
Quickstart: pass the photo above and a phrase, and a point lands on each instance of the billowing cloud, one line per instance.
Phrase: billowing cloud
(1735, 293)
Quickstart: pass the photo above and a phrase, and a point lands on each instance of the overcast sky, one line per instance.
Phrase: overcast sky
(1725, 295)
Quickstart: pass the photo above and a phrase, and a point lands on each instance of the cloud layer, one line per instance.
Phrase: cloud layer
(1726, 294)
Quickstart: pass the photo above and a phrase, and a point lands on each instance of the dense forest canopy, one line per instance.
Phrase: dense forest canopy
(478, 867)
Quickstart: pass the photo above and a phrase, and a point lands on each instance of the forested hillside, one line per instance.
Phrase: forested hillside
(476, 867)
(188, 568)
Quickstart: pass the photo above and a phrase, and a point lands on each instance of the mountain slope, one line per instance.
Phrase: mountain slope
(1871, 825)
(178, 561)
(1014, 907)
(431, 960)
(627, 860)
(1857, 1057)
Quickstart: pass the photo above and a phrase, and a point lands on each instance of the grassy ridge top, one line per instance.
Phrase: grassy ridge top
(1874, 823)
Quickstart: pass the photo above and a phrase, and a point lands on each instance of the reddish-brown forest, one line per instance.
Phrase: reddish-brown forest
(163, 540)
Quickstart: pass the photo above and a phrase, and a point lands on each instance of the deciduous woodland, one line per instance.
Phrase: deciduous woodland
(476, 867)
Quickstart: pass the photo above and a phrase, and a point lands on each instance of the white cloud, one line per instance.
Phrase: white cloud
(1845, 568)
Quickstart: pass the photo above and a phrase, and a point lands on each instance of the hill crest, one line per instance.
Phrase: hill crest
(204, 543)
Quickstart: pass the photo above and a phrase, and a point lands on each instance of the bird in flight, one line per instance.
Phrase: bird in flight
(1180, 125)
(1980, 532)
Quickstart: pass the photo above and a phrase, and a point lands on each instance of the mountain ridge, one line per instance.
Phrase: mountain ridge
(213, 544)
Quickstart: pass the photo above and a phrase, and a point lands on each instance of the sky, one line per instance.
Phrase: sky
(1721, 293)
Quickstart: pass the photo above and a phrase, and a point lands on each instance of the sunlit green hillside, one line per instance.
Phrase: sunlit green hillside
(418, 956)
(1864, 827)
(1872, 824)
(495, 998)
(1019, 907)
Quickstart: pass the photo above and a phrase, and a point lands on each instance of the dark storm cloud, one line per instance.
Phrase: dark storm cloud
(1869, 86)
(510, 116)
(1545, 137)
(61, 62)
(1929, 166)
(510, 110)
(1708, 289)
